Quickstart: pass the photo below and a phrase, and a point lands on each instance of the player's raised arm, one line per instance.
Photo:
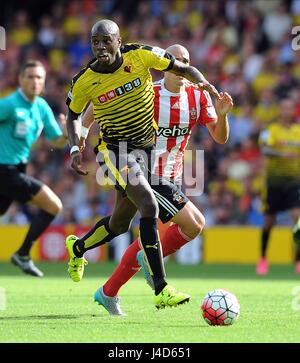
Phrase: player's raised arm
(163, 60)
(219, 130)
(195, 76)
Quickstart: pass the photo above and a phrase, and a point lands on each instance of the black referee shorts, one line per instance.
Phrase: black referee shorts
(16, 185)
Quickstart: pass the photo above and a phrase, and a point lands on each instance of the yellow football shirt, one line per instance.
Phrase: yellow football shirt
(122, 100)
(282, 139)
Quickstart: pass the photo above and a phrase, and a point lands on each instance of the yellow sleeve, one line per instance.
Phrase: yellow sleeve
(155, 57)
(76, 100)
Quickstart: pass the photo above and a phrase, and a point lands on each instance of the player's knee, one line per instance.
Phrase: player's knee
(121, 226)
(59, 206)
(200, 221)
(194, 227)
(193, 230)
(149, 207)
(55, 207)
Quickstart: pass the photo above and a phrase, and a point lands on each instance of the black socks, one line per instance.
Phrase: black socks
(97, 236)
(38, 225)
(153, 254)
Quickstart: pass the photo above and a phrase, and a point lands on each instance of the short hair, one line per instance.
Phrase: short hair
(30, 63)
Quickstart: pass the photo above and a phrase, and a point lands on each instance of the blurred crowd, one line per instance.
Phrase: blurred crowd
(243, 47)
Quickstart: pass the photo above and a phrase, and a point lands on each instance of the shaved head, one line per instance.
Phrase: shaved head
(173, 82)
(176, 47)
(105, 27)
(106, 43)
(178, 50)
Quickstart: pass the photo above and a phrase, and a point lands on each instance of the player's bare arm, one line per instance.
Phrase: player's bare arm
(87, 120)
(219, 130)
(195, 76)
(74, 143)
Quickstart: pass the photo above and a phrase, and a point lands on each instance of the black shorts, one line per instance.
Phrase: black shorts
(281, 197)
(170, 198)
(16, 185)
(122, 167)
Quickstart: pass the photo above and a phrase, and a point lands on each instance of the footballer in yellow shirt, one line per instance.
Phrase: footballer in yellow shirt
(118, 83)
(280, 144)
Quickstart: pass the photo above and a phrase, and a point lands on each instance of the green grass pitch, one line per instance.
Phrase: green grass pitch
(55, 309)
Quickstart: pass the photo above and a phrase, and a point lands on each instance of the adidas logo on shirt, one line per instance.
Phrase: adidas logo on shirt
(176, 106)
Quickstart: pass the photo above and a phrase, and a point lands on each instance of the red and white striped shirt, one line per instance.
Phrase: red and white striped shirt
(176, 114)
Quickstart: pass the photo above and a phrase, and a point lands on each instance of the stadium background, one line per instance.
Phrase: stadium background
(241, 47)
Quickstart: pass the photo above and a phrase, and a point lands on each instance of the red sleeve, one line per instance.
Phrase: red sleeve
(207, 110)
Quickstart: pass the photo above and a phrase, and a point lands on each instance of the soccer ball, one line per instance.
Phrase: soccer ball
(220, 307)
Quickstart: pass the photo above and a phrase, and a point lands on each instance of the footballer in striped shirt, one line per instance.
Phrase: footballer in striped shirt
(178, 106)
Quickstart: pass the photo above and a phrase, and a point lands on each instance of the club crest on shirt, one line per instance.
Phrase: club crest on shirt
(178, 197)
(193, 113)
(127, 68)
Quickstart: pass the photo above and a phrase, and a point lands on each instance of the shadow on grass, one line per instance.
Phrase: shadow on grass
(174, 270)
(39, 317)
(105, 320)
